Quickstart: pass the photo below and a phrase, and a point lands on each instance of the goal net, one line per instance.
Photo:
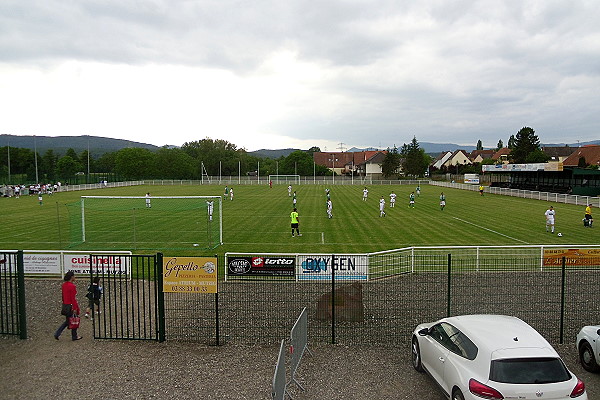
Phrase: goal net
(287, 179)
(151, 223)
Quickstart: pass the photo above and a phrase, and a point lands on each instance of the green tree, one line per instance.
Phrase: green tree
(415, 160)
(218, 156)
(391, 163)
(135, 163)
(175, 164)
(537, 156)
(106, 162)
(499, 145)
(71, 153)
(511, 142)
(67, 167)
(479, 145)
(48, 165)
(526, 142)
(301, 163)
(84, 157)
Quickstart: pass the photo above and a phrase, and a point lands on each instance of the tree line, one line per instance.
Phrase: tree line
(191, 161)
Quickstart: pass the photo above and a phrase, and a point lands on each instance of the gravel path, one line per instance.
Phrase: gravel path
(41, 367)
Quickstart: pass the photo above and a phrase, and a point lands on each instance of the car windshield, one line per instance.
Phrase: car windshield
(529, 370)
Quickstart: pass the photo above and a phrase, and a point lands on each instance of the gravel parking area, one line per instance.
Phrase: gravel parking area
(41, 367)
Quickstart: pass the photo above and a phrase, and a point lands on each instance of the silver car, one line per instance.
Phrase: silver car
(492, 357)
(588, 347)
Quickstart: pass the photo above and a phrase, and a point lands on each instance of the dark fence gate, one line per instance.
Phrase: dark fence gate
(12, 295)
(131, 305)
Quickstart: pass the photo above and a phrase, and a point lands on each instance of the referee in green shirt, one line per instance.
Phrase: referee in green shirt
(294, 217)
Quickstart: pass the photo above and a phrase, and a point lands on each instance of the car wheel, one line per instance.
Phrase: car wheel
(586, 356)
(416, 355)
(457, 395)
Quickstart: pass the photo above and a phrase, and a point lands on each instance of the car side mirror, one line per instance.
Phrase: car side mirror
(598, 332)
(425, 332)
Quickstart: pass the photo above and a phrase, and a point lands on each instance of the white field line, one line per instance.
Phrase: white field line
(490, 230)
(322, 237)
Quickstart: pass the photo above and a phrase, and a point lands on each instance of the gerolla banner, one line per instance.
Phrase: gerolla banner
(573, 257)
(347, 267)
(190, 275)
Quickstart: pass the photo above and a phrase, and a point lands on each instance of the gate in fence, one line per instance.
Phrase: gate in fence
(130, 307)
(12, 294)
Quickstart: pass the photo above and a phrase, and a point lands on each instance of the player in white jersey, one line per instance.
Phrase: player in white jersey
(365, 193)
(329, 209)
(550, 219)
(392, 199)
(290, 190)
(382, 207)
(148, 204)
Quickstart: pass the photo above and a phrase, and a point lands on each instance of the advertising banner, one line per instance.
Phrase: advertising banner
(190, 275)
(41, 263)
(573, 257)
(318, 267)
(261, 266)
(101, 264)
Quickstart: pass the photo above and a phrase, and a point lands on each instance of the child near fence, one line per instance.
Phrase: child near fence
(94, 293)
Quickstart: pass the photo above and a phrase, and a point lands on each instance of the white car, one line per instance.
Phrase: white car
(588, 347)
(492, 357)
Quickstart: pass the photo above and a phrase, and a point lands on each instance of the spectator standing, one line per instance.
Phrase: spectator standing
(69, 297)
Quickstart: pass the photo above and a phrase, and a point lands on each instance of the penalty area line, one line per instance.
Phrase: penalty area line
(491, 230)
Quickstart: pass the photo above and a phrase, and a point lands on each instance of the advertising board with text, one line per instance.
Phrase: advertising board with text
(100, 264)
(573, 257)
(261, 265)
(347, 267)
(190, 275)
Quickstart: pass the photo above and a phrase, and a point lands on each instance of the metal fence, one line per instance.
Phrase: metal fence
(13, 319)
(418, 285)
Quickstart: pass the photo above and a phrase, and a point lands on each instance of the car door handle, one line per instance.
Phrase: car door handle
(442, 359)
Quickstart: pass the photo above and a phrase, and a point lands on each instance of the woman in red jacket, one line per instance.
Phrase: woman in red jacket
(69, 296)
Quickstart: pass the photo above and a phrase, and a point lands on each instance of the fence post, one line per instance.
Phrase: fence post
(21, 294)
(449, 284)
(332, 300)
(160, 296)
(562, 300)
(217, 334)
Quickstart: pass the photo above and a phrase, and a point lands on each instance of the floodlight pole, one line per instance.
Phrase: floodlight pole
(37, 180)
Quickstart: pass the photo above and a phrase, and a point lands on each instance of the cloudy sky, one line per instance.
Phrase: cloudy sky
(300, 73)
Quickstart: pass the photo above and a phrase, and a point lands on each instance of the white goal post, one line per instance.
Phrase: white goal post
(190, 208)
(285, 179)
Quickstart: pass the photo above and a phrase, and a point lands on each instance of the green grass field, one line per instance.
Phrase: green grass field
(257, 220)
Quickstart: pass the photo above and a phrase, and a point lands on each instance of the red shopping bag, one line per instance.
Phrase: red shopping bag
(74, 322)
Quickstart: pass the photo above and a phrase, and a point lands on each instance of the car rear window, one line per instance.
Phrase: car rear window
(529, 370)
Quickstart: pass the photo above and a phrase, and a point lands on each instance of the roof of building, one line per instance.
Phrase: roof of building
(483, 153)
(591, 154)
(340, 159)
(558, 151)
(502, 152)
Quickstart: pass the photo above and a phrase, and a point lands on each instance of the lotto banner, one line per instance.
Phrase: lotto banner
(573, 257)
(190, 275)
(261, 266)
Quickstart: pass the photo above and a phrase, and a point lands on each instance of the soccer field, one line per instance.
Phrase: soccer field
(258, 220)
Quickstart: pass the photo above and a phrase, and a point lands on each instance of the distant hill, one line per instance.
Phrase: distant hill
(266, 153)
(430, 148)
(596, 142)
(60, 144)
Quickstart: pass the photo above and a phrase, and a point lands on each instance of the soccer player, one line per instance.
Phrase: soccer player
(294, 200)
(411, 200)
(226, 191)
(550, 219)
(481, 190)
(327, 193)
(365, 193)
(40, 199)
(392, 199)
(148, 205)
(289, 190)
(418, 190)
(231, 194)
(588, 221)
(329, 209)
(295, 222)
(382, 207)
(442, 201)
